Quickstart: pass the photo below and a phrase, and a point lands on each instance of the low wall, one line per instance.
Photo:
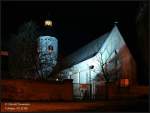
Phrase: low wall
(29, 90)
(101, 91)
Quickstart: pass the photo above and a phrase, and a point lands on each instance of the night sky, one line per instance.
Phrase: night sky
(75, 23)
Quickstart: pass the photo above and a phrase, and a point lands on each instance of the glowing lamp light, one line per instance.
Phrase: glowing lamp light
(48, 23)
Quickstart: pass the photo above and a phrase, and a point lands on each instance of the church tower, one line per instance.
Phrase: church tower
(47, 49)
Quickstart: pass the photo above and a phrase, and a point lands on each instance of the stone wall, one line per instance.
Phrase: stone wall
(29, 90)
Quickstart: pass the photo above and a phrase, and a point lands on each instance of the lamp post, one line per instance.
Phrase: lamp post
(90, 67)
(70, 73)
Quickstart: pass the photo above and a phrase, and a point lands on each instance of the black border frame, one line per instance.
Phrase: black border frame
(72, 1)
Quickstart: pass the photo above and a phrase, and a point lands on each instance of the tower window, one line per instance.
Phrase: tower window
(50, 48)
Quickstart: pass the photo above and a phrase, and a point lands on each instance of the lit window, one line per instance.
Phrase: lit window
(124, 82)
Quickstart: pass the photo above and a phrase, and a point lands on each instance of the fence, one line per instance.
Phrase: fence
(30, 90)
(83, 91)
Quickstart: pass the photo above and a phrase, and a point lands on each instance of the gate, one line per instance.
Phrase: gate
(83, 91)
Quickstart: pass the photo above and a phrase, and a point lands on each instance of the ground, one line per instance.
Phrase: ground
(133, 99)
(135, 105)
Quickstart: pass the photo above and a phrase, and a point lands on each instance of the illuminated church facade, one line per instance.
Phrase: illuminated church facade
(108, 53)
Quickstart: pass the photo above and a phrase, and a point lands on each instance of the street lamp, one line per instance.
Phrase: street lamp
(90, 67)
(70, 73)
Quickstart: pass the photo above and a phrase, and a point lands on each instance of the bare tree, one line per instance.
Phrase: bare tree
(23, 48)
(46, 66)
(109, 68)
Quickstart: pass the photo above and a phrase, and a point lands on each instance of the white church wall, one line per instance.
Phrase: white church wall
(112, 43)
(75, 77)
(82, 74)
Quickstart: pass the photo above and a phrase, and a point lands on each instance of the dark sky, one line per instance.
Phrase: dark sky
(76, 23)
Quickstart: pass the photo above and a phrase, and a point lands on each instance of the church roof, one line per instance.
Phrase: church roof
(85, 52)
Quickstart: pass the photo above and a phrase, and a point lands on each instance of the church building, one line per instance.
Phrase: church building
(106, 57)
